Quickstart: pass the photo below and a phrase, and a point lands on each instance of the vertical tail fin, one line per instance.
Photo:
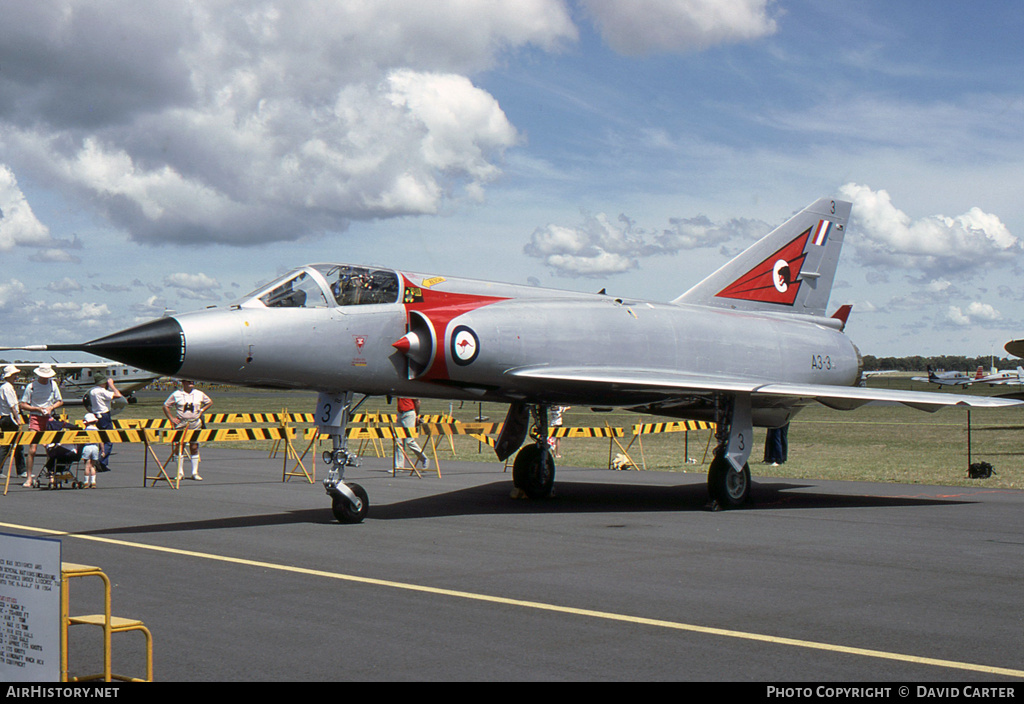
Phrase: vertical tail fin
(791, 269)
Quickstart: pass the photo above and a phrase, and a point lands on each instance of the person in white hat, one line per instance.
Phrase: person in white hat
(91, 453)
(101, 398)
(185, 408)
(40, 399)
(10, 418)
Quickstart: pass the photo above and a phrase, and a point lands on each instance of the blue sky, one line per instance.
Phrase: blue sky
(159, 156)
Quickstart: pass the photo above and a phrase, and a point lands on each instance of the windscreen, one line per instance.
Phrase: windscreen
(299, 291)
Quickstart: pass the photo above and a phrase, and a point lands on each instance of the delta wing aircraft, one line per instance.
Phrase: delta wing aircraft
(749, 345)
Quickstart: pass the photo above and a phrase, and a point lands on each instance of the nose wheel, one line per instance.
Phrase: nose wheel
(350, 509)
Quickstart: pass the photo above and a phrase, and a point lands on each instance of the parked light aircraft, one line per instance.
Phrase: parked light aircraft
(79, 377)
(1004, 377)
(749, 345)
(951, 378)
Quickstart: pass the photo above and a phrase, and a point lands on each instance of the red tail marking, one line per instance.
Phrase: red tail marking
(774, 280)
(843, 313)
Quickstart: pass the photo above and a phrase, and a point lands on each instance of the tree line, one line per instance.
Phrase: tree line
(950, 363)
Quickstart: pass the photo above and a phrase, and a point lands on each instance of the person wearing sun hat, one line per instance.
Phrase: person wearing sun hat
(10, 418)
(91, 453)
(40, 399)
(185, 408)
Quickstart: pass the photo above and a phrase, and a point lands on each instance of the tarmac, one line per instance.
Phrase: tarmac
(621, 576)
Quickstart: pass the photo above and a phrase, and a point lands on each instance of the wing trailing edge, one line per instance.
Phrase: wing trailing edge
(669, 383)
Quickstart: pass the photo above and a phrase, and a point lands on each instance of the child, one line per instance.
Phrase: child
(91, 453)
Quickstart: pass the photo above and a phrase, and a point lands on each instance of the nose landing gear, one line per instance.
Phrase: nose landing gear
(349, 501)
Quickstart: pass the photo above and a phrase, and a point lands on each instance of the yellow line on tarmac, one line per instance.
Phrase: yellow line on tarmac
(540, 606)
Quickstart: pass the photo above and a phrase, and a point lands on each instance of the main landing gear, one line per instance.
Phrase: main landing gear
(533, 471)
(349, 501)
(729, 473)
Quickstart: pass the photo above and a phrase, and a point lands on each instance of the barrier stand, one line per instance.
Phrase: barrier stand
(444, 423)
(291, 453)
(15, 435)
(628, 463)
(149, 436)
(400, 432)
(372, 420)
(109, 623)
(684, 426)
(707, 446)
(276, 445)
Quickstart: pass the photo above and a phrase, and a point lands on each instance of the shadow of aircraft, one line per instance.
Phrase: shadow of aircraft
(570, 498)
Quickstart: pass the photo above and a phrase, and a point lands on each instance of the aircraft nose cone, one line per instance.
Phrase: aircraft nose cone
(157, 346)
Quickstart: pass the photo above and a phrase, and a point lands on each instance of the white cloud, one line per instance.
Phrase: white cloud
(75, 312)
(18, 224)
(598, 247)
(976, 314)
(194, 282)
(649, 26)
(11, 294)
(937, 245)
(595, 248)
(67, 286)
(243, 124)
(152, 307)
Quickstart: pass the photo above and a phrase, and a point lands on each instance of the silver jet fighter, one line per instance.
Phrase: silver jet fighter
(749, 345)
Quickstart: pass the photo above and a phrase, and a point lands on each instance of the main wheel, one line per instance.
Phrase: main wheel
(730, 488)
(534, 472)
(343, 509)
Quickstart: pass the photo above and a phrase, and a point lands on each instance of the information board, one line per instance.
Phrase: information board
(29, 609)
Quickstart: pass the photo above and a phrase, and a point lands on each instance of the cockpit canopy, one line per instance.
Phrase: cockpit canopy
(328, 285)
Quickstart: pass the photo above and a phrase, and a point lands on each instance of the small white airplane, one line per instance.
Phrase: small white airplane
(951, 378)
(79, 377)
(1004, 377)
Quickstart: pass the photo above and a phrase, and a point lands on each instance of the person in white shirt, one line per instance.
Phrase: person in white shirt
(185, 408)
(10, 419)
(555, 421)
(101, 398)
(91, 453)
(40, 399)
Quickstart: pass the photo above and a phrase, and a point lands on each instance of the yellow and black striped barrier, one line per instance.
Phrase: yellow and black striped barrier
(678, 426)
(163, 430)
(372, 427)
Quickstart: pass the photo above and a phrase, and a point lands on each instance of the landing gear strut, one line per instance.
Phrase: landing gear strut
(533, 472)
(349, 501)
(729, 474)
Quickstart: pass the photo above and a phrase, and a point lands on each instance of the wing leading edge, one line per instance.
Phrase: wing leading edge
(671, 383)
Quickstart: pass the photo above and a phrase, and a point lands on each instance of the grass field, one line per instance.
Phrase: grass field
(873, 443)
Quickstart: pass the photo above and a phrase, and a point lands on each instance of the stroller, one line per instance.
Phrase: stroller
(61, 463)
